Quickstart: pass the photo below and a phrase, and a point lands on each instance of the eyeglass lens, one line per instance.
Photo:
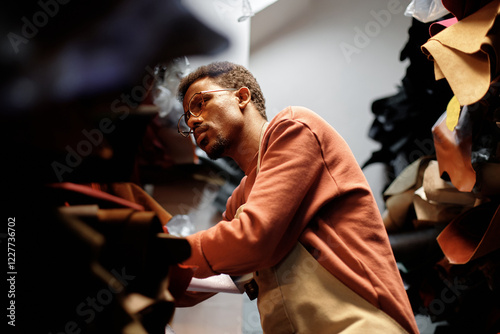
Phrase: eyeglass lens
(195, 107)
(196, 104)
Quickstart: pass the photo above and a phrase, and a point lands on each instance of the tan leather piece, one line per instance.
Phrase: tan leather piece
(438, 190)
(399, 195)
(467, 53)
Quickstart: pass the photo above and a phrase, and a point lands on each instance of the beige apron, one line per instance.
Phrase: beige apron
(298, 295)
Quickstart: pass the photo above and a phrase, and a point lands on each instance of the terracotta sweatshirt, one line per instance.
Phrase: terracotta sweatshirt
(310, 188)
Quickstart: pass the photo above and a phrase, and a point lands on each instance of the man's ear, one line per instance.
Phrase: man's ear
(244, 97)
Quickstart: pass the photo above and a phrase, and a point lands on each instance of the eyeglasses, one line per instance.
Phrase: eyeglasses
(195, 108)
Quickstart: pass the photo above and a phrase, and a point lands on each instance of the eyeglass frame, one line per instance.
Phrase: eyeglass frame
(187, 115)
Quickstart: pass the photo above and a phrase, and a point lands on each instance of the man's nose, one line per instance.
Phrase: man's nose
(193, 121)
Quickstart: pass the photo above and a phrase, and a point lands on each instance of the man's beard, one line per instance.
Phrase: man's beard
(219, 147)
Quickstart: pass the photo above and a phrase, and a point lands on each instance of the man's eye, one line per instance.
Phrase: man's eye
(197, 103)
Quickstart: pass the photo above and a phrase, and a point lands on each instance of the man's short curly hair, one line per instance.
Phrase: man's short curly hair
(226, 75)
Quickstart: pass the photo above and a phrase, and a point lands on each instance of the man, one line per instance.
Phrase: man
(303, 219)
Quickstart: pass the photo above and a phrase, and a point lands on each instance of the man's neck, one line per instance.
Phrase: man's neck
(248, 145)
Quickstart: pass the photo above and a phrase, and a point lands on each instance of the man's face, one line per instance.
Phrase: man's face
(216, 127)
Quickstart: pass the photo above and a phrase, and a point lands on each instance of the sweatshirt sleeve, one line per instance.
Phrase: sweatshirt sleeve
(263, 234)
(234, 201)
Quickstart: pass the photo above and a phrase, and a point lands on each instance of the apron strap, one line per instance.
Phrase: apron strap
(264, 127)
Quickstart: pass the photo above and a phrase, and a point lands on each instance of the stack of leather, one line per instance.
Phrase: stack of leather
(104, 264)
(443, 211)
(91, 252)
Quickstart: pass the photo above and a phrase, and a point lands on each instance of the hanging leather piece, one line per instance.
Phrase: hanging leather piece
(454, 156)
(466, 53)
(471, 235)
